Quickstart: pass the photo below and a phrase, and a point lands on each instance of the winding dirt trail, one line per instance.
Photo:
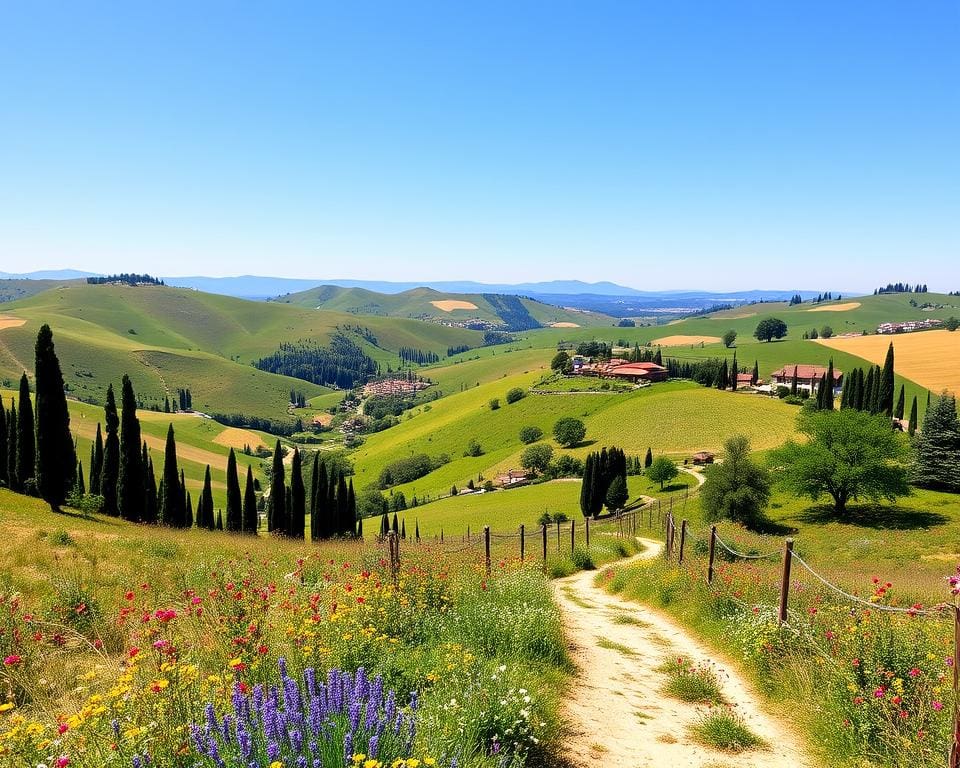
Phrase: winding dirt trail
(615, 712)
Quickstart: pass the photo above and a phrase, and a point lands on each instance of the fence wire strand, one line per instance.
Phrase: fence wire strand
(744, 555)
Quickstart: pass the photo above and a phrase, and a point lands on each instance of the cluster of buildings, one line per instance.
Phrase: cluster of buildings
(808, 377)
(909, 326)
(394, 387)
(619, 368)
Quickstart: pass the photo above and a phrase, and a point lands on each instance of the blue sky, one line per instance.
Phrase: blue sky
(661, 145)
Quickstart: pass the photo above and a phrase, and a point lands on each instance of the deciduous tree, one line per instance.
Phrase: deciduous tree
(736, 489)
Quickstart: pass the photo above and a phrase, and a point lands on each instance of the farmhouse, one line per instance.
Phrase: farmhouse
(909, 327)
(807, 376)
(746, 380)
(638, 372)
(513, 478)
(386, 387)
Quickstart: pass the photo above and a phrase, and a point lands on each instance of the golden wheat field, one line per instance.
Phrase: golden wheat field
(930, 358)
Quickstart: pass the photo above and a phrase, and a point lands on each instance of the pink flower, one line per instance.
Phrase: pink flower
(938, 705)
(914, 672)
(878, 692)
(62, 762)
(12, 660)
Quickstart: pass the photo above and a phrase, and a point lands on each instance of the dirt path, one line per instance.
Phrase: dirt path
(615, 711)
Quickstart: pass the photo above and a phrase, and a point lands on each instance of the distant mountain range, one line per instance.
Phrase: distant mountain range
(605, 297)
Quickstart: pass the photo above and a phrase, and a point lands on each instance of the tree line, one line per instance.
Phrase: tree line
(127, 278)
(900, 288)
(418, 356)
(342, 364)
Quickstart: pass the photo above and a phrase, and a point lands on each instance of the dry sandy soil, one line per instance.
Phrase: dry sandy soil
(836, 307)
(616, 713)
(930, 358)
(564, 325)
(9, 321)
(448, 305)
(680, 340)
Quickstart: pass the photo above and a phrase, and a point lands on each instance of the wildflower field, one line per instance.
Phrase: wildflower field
(139, 646)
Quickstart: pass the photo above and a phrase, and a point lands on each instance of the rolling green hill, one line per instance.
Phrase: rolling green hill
(167, 338)
(435, 306)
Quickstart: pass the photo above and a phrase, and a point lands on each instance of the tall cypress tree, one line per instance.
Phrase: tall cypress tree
(648, 459)
(96, 462)
(277, 518)
(56, 458)
(219, 519)
(26, 436)
(12, 431)
(150, 490)
(130, 483)
(314, 479)
(234, 499)
(79, 487)
(869, 390)
(3, 444)
(886, 389)
(912, 427)
(755, 377)
(189, 507)
(172, 510)
(297, 514)
(828, 387)
(250, 505)
(734, 370)
(585, 493)
(901, 403)
(351, 510)
(111, 455)
(205, 518)
(321, 508)
(344, 524)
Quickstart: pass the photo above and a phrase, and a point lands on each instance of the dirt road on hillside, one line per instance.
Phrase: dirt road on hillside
(615, 711)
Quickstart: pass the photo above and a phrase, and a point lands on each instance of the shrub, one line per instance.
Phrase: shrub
(514, 395)
(530, 434)
(495, 404)
(582, 559)
(473, 449)
(725, 730)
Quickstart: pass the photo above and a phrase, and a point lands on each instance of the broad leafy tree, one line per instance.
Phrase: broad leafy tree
(770, 328)
(729, 337)
(569, 431)
(662, 471)
(849, 456)
(537, 457)
(736, 489)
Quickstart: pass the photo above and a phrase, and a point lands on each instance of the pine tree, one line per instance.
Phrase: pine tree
(298, 497)
(912, 426)
(938, 447)
(26, 436)
(172, 510)
(277, 517)
(205, 518)
(234, 499)
(648, 459)
(130, 483)
(901, 402)
(96, 462)
(12, 448)
(250, 505)
(886, 388)
(111, 456)
(3, 444)
(150, 491)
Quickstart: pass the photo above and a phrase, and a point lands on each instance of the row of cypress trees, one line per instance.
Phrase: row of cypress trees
(603, 472)
(873, 390)
(332, 501)
(38, 454)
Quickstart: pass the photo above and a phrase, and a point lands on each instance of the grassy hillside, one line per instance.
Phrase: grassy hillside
(168, 338)
(428, 304)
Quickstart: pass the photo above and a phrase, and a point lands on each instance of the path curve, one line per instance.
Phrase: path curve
(615, 712)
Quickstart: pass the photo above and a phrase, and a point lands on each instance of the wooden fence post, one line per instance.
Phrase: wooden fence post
(785, 580)
(713, 549)
(955, 747)
(523, 542)
(558, 535)
(573, 528)
(544, 532)
(486, 546)
(683, 539)
(588, 533)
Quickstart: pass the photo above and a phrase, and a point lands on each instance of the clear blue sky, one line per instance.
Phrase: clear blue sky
(662, 145)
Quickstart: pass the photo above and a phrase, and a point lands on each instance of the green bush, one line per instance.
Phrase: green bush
(530, 434)
(514, 395)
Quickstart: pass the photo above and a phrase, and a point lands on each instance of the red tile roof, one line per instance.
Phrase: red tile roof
(805, 372)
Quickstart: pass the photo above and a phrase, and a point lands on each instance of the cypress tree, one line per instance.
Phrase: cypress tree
(130, 477)
(234, 499)
(868, 392)
(219, 519)
(928, 399)
(756, 372)
(150, 492)
(828, 387)
(250, 505)
(277, 518)
(901, 402)
(12, 448)
(912, 426)
(172, 510)
(298, 497)
(205, 517)
(330, 520)
(585, 492)
(648, 459)
(795, 382)
(344, 524)
(416, 530)
(938, 447)
(79, 486)
(26, 437)
(403, 529)
(384, 525)
(3, 444)
(111, 455)
(845, 393)
(314, 479)
(395, 526)
(886, 388)
(734, 369)
(189, 507)
(96, 462)
(56, 458)
(351, 509)
(360, 528)
(321, 510)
